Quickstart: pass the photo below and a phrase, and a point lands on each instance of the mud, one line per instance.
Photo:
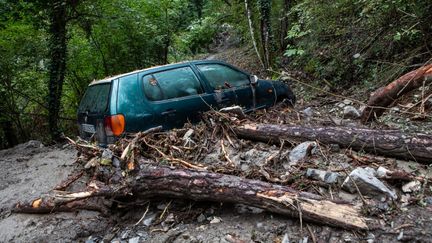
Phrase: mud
(28, 171)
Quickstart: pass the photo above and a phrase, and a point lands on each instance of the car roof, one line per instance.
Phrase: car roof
(154, 68)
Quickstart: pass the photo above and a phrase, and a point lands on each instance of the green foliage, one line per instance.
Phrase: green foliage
(359, 41)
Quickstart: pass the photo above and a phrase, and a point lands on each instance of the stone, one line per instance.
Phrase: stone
(106, 158)
(91, 239)
(308, 112)
(285, 239)
(382, 172)
(347, 196)
(243, 209)
(201, 218)
(237, 110)
(116, 162)
(347, 102)
(334, 147)
(351, 112)
(367, 183)
(149, 219)
(326, 176)
(428, 201)
(134, 240)
(215, 220)
(301, 152)
(340, 105)
(413, 186)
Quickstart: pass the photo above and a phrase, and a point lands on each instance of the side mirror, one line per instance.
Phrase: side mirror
(253, 80)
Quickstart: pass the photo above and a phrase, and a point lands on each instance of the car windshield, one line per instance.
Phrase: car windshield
(95, 99)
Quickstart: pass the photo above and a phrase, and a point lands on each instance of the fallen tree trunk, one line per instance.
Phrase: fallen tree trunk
(391, 143)
(156, 181)
(385, 96)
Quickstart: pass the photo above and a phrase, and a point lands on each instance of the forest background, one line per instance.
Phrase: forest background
(51, 50)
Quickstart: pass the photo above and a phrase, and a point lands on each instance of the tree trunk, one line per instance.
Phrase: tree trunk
(391, 143)
(155, 181)
(9, 132)
(58, 55)
(251, 30)
(385, 96)
(284, 25)
(265, 11)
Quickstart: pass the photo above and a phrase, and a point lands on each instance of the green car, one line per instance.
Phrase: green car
(169, 96)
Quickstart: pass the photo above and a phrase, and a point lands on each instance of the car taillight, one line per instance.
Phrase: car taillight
(114, 125)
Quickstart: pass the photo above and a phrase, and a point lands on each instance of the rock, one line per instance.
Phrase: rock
(301, 151)
(370, 238)
(308, 112)
(382, 172)
(201, 218)
(91, 163)
(149, 219)
(236, 110)
(91, 239)
(367, 183)
(351, 112)
(215, 220)
(334, 147)
(428, 201)
(347, 102)
(400, 236)
(116, 162)
(326, 176)
(170, 218)
(134, 240)
(242, 209)
(340, 105)
(285, 239)
(106, 158)
(413, 186)
(347, 196)
(125, 234)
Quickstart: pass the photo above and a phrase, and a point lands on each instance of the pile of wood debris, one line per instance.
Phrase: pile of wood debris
(207, 162)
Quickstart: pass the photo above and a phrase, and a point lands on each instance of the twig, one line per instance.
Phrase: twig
(225, 154)
(165, 209)
(312, 235)
(145, 213)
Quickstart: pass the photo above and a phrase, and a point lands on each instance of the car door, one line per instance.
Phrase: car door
(176, 95)
(230, 86)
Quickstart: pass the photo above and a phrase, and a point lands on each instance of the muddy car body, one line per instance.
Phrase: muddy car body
(169, 96)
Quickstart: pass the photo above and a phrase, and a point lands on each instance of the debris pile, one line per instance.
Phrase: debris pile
(211, 161)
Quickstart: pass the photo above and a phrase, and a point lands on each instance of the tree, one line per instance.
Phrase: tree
(265, 12)
(58, 54)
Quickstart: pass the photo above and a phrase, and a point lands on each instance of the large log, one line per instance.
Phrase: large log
(391, 143)
(157, 181)
(385, 96)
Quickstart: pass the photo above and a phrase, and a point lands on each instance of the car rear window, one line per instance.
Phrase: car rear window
(96, 98)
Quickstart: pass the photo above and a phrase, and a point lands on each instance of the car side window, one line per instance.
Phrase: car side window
(223, 77)
(174, 83)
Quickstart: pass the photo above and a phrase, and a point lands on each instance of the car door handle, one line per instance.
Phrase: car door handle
(168, 112)
(225, 99)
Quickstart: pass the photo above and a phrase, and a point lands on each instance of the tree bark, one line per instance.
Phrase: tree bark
(265, 11)
(391, 143)
(57, 70)
(385, 96)
(284, 25)
(156, 181)
(251, 30)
